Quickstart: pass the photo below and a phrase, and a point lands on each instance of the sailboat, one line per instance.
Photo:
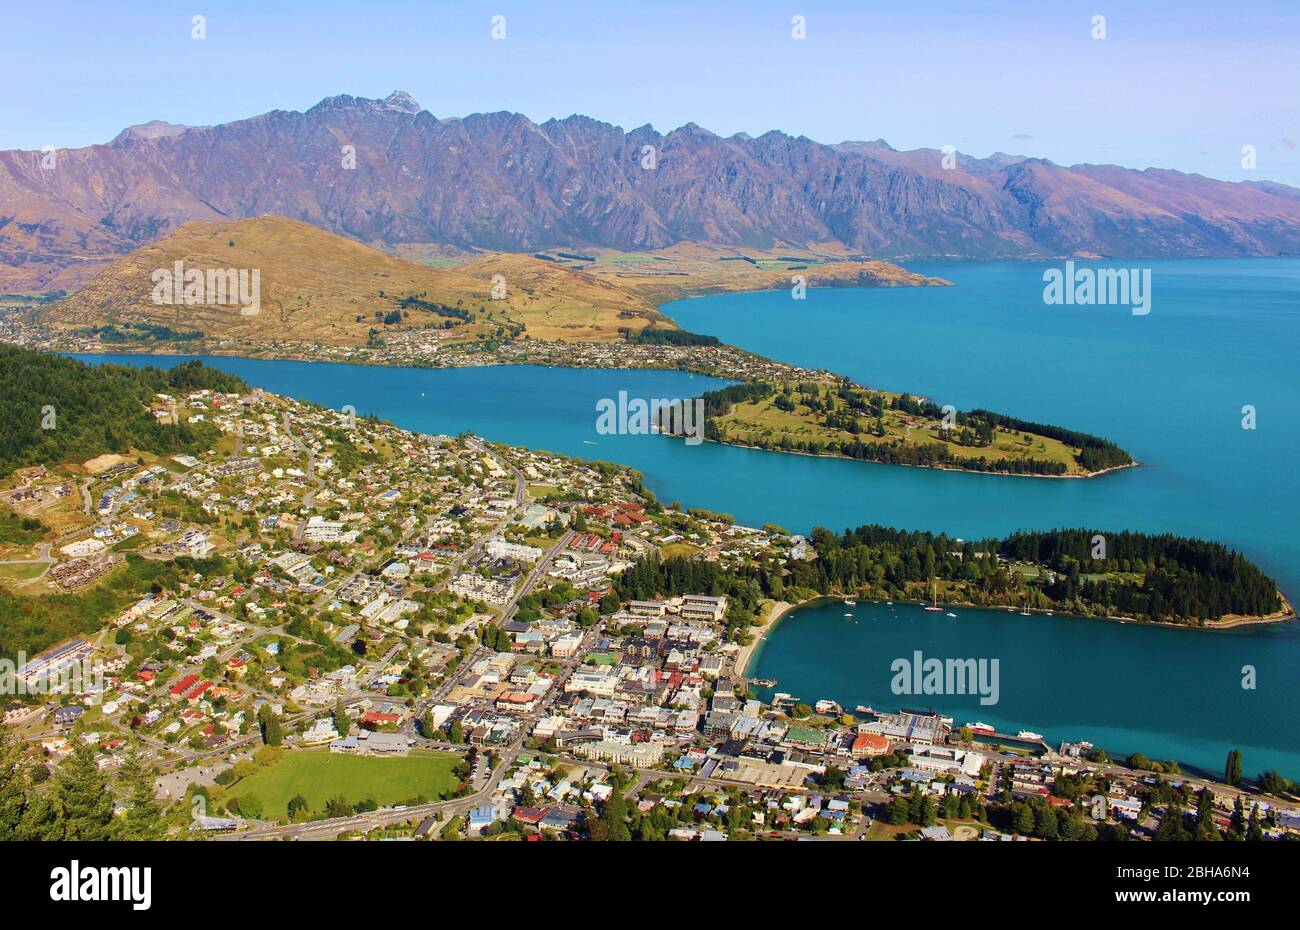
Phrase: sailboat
(934, 604)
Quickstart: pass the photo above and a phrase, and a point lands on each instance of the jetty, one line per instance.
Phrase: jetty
(1039, 745)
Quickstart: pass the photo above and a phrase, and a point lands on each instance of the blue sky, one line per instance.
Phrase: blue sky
(1174, 84)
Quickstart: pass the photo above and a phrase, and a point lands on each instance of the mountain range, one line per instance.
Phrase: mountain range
(422, 186)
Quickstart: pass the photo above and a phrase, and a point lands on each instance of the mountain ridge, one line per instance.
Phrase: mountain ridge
(501, 182)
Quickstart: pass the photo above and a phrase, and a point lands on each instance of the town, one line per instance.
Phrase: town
(427, 347)
(326, 626)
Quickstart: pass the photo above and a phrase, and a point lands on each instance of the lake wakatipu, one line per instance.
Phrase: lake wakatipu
(1169, 387)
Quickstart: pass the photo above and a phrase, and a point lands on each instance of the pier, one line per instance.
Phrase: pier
(995, 737)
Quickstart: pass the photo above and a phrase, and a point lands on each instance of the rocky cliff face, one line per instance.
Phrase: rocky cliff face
(500, 181)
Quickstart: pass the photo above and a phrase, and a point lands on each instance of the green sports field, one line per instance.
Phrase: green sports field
(319, 775)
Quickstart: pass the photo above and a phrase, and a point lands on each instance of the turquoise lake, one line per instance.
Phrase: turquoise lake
(1169, 387)
(1166, 693)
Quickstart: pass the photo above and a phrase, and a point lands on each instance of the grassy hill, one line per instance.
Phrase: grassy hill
(880, 426)
(93, 409)
(695, 269)
(318, 286)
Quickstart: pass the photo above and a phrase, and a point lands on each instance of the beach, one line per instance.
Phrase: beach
(746, 654)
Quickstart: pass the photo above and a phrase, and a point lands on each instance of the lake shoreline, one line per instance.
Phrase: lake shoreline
(745, 657)
(497, 361)
(748, 654)
(965, 471)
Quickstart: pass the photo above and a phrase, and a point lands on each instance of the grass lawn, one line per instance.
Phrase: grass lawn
(319, 775)
(762, 423)
(963, 829)
(1135, 578)
(23, 571)
(678, 551)
(540, 490)
(881, 831)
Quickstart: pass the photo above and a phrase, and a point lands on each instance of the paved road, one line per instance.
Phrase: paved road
(43, 559)
(309, 499)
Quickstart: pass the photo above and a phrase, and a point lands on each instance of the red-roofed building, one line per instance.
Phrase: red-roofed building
(869, 744)
(529, 815)
(517, 700)
(182, 686)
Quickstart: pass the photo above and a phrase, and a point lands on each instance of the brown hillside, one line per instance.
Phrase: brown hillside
(317, 286)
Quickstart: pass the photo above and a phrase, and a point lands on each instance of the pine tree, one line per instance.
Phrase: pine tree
(82, 802)
(1254, 831)
(1205, 826)
(143, 817)
(15, 783)
(1232, 771)
(272, 735)
(297, 804)
(1171, 827)
(1238, 817)
(899, 811)
(1045, 823)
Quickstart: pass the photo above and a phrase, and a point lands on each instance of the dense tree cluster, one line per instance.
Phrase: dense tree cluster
(142, 332)
(1160, 578)
(57, 408)
(656, 336)
(444, 310)
(719, 403)
(76, 804)
(1181, 577)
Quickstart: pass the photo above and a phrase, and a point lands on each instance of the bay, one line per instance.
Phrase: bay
(1169, 387)
(1166, 693)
